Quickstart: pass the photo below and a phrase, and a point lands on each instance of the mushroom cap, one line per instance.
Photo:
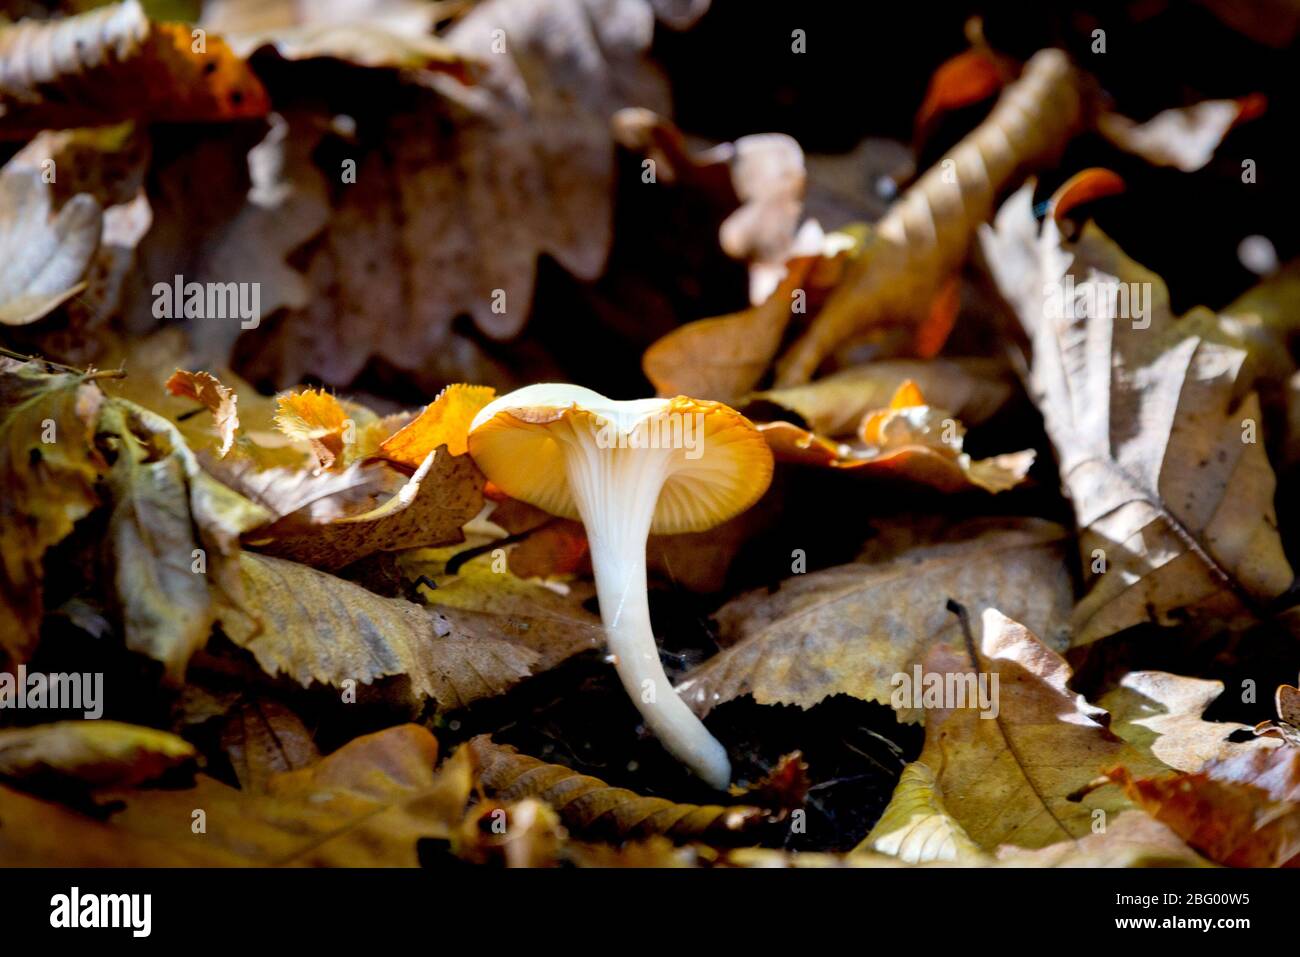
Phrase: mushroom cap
(519, 441)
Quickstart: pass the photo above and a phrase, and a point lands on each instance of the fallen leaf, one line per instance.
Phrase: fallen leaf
(525, 833)
(95, 753)
(365, 805)
(113, 63)
(1013, 778)
(974, 389)
(1160, 715)
(1132, 839)
(315, 627)
(49, 469)
(1241, 811)
(589, 806)
(207, 390)
(316, 417)
(1287, 725)
(925, 235)
(1173, 498)
(175, 535)
(44, 254)
(262, 737)
(430, 509)
(1185, 137)
(916, 829)
(850, 629)
(444, 421)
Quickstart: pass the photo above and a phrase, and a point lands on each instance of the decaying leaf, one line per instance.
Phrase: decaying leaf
(1287, 725)
(974, 389)
(316, 417)
(1241, 811)
(96, 753)
(589, 806)
(915, 827)
(365, 805)
(315, 627)
(1158, 447)
(1184, 137)
(175, 535)
(262, 737)
(1011, 772)
(372, 33)
(111, 64)
(1160, 715)
(850, 629)
(925, 235)
(207, 390)
(430, 509)
(49, 469)
(481, 601)
(909, 439)
(44, 254)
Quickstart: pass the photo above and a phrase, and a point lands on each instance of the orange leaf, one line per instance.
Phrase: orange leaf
(935, 328)
(444, 421)
(207, 389)
(314, 416)
(1084, 187)
(960, 81)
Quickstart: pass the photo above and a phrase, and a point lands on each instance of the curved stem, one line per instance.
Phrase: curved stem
(616, 491)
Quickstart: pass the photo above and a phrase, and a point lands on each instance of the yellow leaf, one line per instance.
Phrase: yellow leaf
(444, 421)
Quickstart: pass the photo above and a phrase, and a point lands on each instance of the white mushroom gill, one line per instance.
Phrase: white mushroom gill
(616, 490)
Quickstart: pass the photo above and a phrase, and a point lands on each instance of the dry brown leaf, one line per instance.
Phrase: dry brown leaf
(207, 390)
(525, 833)
(1160, 715)
(1185, 137)
(1010, 778)
(316, 417)
(444, 421)
(1242, 811)
(427, 233)
(1287, 726)
(315, 627)
(908, 440)
(1132, 839)
(590, 807)
(974, 389)
(430, 509)
(262, 737)
(174, 532)
(925, 235)
(373, 33)
(851, 628)
(1159, 449)
(365, 805)
(44, 254)
(49, 469)
(93, 753)
(111, 64)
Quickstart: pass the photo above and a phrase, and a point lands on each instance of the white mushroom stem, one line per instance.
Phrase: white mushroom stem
(616, 490)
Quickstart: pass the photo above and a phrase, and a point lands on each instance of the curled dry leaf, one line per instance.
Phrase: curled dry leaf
(909, 440)
(95, 753)
(973, 389)
(1287, 725)
(175, 535)
(925, 235)
(365, 805)
(1185, 137)
(430, 509)
(315, 627)
(590, 807)
(112, 64)
(850, 629)
(1012, 772)
(1240, 811)
(207, 390)
(44, 254)
(916, 829)
(525, 833)
(317, 418)
(1157, 446)
(1160, 715)
(49, 485)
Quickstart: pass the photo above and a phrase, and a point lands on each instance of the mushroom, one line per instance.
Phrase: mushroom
(626, 469)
